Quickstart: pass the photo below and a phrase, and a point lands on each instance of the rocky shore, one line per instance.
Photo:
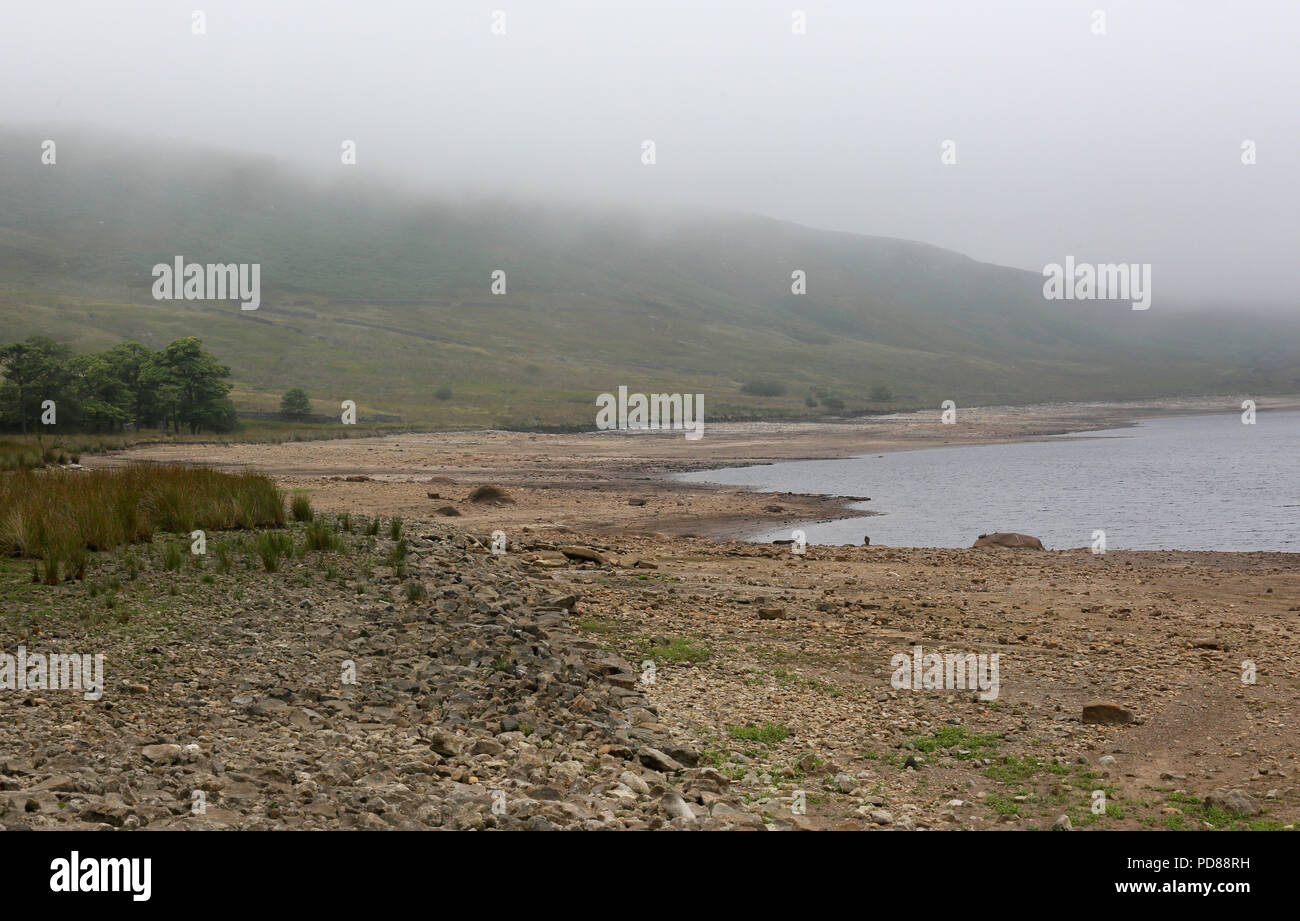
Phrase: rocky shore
(308, 706)
(623, 665)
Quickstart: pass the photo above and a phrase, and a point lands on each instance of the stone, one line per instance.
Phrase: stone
(1106, 714)
(1009, 539)
(162, 754)
(444, 743)
(657, 760)
(1236, 802)
(584, 555)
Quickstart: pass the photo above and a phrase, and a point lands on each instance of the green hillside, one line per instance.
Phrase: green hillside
(382, 297)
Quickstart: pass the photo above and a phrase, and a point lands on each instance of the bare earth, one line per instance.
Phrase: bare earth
(1164, 635)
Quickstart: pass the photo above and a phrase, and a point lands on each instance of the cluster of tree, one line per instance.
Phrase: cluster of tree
(179, 387)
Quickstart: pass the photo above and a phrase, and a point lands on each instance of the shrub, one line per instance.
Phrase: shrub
(171, 557)
(319, 536)
(763, 387)
(301, 509)
(271, 546)
(395, 529)
(221, 550)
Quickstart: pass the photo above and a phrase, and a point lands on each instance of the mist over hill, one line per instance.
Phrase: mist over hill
(383, 296)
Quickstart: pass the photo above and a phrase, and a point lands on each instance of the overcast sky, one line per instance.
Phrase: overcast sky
(1125, 146)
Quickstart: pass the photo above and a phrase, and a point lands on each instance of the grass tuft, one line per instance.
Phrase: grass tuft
(57, 516)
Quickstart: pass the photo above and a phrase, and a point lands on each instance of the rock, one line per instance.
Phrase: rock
(490, 747)
(1106, 760)
(882, 817)
(445, 743)
(1009, 539)
(1236, 802)
(490, 495)
(656, 760)
(676, 807)
(1106, 714)
(162, 754)
(584, 554)
(1063, 823)
(771, 613)
(59, 783)
(731, 815)
(636, 502)
(680, 753)
(448, 511)
(634, 782)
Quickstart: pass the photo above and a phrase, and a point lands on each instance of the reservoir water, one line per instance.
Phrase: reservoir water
(1185, 483)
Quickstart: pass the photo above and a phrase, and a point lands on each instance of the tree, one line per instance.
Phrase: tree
(190, 384)
(35, 368)
(101, 398)
(129, 361)
(881, 394)
(295, 404)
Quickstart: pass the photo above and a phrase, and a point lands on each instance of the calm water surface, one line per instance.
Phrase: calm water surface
(1187, 483)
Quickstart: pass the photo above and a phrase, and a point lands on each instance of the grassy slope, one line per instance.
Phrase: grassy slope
(378, 298)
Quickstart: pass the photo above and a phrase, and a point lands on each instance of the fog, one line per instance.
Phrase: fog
(1117, 147)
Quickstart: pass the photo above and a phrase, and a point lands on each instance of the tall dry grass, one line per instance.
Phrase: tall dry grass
(58, 516)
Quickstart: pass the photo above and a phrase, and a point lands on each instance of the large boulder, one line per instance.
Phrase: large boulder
(1237, 802)
(1007, 539)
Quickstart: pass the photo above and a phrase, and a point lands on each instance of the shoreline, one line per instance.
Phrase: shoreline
(613, 483)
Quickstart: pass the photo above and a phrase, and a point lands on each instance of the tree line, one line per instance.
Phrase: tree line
(178, 387)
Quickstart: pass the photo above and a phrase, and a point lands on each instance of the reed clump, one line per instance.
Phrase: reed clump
(58, 516)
